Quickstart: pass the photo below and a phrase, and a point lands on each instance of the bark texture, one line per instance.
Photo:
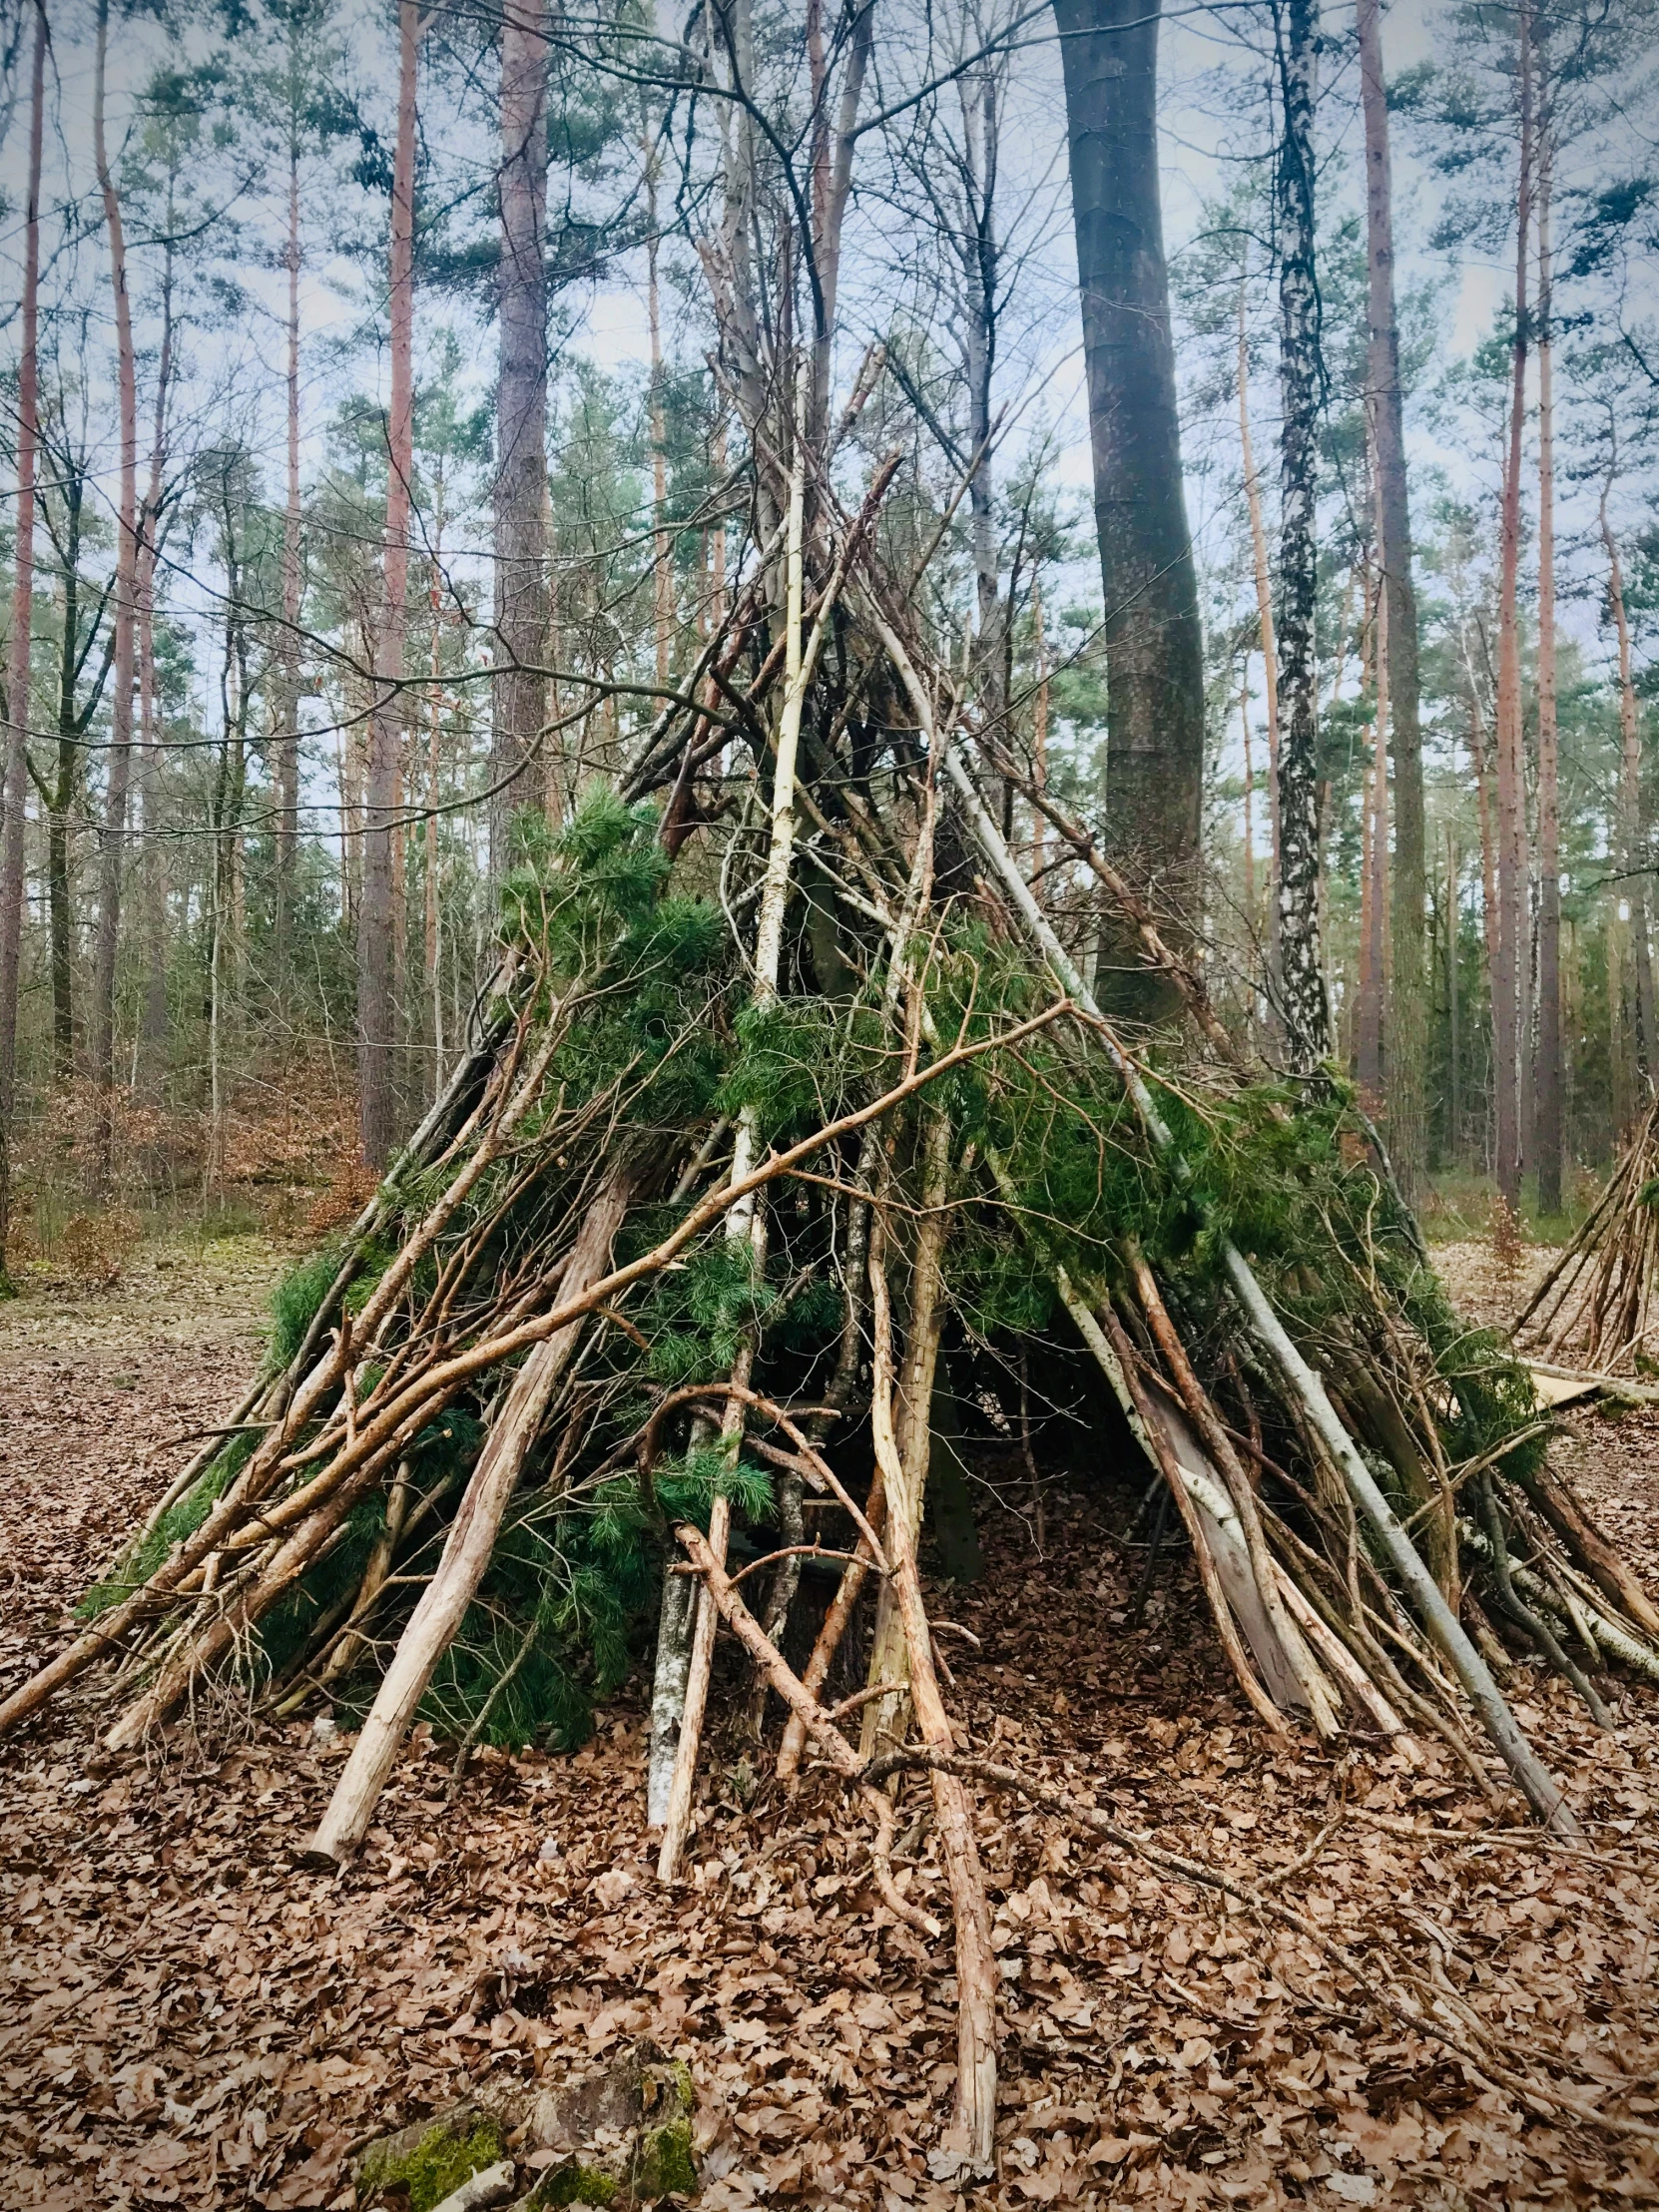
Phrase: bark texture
(1548, 1084)
(287, 740)
(1407, 1008)
(377, 1004)
(521, 594)
(1301, 963)
(16, 772)
(1638, 1027)
(111, 854)
(1509, 988)
(1154, 649)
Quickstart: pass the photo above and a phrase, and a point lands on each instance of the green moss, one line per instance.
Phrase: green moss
(666, 2163)
(435, 2165)
(575, 2183)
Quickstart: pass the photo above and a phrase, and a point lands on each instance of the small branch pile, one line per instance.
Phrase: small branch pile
(1597, 1309)
(763, 1131)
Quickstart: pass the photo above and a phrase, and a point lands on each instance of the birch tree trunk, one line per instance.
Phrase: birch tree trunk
(14, 785)
(1406, 1016)
(1264, 616)
(376, 1011)
(1302, 968)
(1154, 647)
(519, 701)
(120, 755)
(1507, 987)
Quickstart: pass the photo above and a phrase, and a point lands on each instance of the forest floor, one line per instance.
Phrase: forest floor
(186, 2018)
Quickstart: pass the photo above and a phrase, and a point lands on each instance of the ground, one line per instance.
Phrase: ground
(188, 2017)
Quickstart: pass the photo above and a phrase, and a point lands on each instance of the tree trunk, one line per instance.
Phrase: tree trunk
(376, 1012)
(832, 184)
(662, 594)
(521, 600)
(1154, 647)
(15, 783)
(1301, 969)
(152, 1018)
(1507, 985)
(126, 604)
(1407, 1043)
(1639, 1051)
(1264, 617)
(1549, 1082)
(1491, 918)
(65, 782)
(981, 119)
(287, 743)
(1373, 890)
(432, 917)
(1249, 797)
(1454, 1072)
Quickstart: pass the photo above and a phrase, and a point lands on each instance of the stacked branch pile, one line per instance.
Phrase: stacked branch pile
(785, 1087)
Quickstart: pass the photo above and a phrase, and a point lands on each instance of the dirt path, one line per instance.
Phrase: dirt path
(186, 2019)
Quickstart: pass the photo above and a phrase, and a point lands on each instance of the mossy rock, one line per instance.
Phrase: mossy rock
(423, 2164)
(665, 2164)
(665, 2161)
(641, 2090)
(573, 2182)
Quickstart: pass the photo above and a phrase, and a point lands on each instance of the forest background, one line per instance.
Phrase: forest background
(191, 995)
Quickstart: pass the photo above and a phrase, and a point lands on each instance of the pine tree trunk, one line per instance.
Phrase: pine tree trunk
(1549, 1102)
(1302, 968)
(15, 783)
(1508, 990)
(1491, 917)
(1455, 1071)
(1374, 956)
(1249, 797)
(1639, 1044)
(126, 606)
(376, 1011)
(287, 743)
(1154, 647)
(1408, 984)
(152, 1021)
(431, 915)
(521, 600)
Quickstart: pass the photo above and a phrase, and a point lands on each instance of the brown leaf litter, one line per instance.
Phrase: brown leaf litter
(187, 2019)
